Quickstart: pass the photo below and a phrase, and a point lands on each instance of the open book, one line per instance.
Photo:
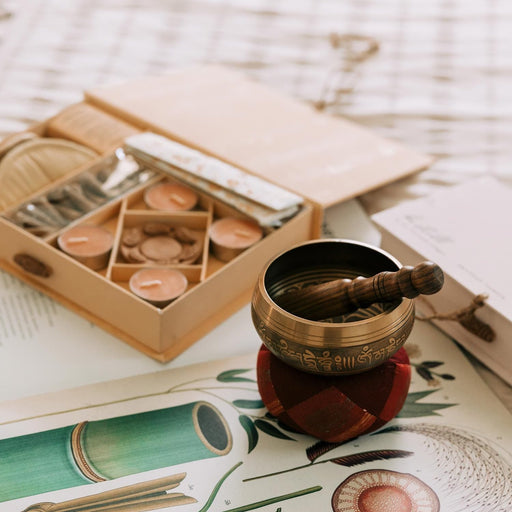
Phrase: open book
(466, 230)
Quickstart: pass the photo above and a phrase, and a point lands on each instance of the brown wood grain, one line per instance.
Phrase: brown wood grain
(341, 296)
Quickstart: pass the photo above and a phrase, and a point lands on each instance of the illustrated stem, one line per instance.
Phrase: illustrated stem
(178, 386)
(219, 398)
(276, 499)
(285, 471)
(222, 399)
(348, 460)
(85, 407)
(238, 388)
(129, 399)
(217, 487)
(170, 390)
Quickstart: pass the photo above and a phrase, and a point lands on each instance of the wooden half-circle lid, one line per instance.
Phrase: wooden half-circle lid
(28, 163)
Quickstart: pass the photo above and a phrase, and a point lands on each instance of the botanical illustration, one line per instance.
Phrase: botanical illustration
(111, 448)
(381, 490)
(142, 497)
(408, 465)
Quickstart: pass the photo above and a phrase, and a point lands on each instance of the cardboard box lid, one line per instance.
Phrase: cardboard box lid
(322, 158)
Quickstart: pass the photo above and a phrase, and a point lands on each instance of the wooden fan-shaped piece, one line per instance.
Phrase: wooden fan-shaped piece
(28, 163)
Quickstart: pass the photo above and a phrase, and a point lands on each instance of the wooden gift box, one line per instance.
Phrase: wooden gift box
(223, 114)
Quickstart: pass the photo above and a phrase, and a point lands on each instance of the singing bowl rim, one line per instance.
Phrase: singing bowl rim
(261, 288)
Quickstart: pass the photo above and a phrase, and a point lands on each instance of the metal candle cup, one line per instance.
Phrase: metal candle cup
(90, 245)
(158, 286)
(170, 197)
(230, 236)
(358, 342)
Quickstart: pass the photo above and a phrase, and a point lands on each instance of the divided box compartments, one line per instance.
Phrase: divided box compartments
(216, 289)
(133, 214)
(160, 332)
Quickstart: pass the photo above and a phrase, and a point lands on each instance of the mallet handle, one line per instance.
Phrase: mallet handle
(340, 296)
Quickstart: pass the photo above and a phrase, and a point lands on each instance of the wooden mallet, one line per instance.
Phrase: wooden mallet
(335, 298)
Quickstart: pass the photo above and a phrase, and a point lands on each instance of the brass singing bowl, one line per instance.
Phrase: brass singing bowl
(344, 345)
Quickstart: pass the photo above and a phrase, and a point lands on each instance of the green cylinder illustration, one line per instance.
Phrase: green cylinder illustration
(110, 448)
(37, 463)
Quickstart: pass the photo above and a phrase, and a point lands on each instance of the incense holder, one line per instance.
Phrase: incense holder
(344, 345)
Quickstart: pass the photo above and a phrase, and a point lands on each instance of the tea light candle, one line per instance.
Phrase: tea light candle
(230, 236)
(159, 286)
(90, 245)
(170, 197)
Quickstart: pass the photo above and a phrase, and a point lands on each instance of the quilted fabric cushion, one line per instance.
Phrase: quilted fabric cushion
(337, 408)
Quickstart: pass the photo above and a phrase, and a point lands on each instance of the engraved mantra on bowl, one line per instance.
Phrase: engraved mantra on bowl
(325, 361)
(369, 355)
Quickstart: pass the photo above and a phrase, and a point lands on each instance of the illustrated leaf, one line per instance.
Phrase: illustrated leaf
(233, 376)
(414, 409)
(320, 448)
(269, 429)
(363, 457)
(431, 364)
(418, 410)
(252, 433)
(447, 376)
(418, 395)
(287, 427)
(424, 373)
(248, 404)
(281, 425)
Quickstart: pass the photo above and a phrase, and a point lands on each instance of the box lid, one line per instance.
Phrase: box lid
(324, 159)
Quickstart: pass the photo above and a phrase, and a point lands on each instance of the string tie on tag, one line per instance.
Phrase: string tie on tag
(466, 317)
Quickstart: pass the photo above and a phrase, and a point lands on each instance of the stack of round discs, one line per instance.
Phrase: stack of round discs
(333, 408)
(161, 244)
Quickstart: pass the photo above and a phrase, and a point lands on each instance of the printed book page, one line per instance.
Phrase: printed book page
(465, 229)
(198, 438)
(47, 347)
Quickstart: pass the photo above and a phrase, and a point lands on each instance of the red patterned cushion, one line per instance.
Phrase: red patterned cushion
(333, 409)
